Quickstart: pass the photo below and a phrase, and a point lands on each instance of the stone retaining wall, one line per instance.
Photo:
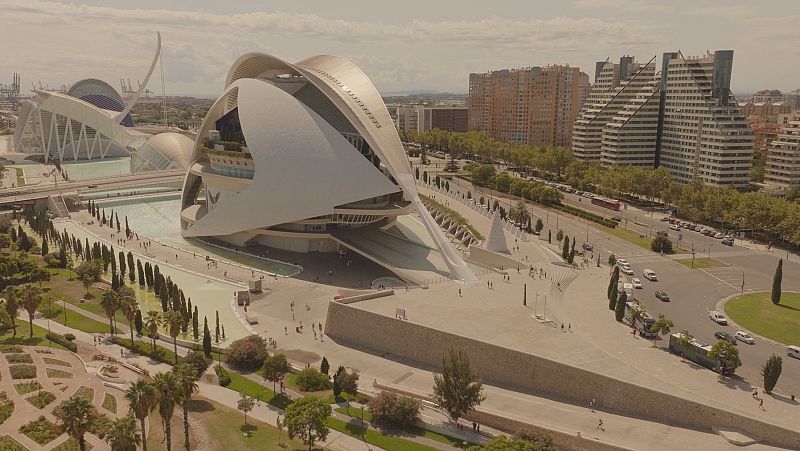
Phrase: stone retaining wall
(512, 368)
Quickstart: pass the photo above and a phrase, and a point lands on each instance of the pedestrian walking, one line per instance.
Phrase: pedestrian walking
(600, 424)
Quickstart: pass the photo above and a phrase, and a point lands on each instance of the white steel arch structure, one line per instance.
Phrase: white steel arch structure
(317, 152)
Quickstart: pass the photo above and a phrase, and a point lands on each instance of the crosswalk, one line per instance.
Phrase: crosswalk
(643, 258)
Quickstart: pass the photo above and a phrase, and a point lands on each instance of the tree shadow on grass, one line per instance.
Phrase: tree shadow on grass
(789, 307)
(200, 405)
(248, 429)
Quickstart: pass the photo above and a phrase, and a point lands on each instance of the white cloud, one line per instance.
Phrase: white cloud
(625, 5)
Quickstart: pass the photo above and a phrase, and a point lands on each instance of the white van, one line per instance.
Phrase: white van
(628, 289)
(793, 351)
(649, 274)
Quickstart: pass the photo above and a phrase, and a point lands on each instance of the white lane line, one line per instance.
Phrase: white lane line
(726, 283)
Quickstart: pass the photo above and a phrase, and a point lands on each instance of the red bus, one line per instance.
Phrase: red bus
(607, 203)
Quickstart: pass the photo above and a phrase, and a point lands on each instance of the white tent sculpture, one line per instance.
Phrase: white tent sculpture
(496, 241)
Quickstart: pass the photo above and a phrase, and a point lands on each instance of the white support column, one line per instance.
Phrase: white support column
(94, 143)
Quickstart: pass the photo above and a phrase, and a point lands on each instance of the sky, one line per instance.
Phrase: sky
(402, 45)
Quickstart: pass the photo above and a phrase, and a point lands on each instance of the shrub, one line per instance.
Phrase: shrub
(248, 353)
(69, 336)
(197, 360)
(19, 358)
(661, 243)
(312, 380)
(22, 371)
(222, 373)
(62, 340)
(13, 349)
(390, 410)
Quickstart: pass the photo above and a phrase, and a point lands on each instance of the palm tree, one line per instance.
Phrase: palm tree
(31, 297)
(151, 322)
(12, 307)
(76, 413)
(168, 394)
(173, 321)
(129, 308)
(122, 434)
(110, 303)
(186, 376)
(142, 398)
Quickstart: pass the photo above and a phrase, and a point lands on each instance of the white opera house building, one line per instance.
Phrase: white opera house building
(304, 158)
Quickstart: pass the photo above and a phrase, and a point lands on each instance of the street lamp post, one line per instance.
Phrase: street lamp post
(742, 281)
(65, 310)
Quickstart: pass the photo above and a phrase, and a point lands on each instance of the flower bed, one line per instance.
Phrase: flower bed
(22, 371)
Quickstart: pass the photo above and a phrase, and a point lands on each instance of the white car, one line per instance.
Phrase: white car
(626, 270)
(745, 337)
(719, 235)
(622, 262)
(718, 317)
(636, 282)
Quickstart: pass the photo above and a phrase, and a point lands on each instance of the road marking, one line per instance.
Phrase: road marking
(726, 283)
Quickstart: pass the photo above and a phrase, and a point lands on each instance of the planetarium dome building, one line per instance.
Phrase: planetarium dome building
(304, 157)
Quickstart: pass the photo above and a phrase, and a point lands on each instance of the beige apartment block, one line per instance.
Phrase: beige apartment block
(782, 170)
(536, 106)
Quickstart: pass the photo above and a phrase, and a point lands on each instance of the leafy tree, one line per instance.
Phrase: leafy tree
(559, 235)
(31, 298)
(619, 307)
(122, 434)
(141, 398)
(727, 355)
(457, 389)
(324, 366)
(206, 338)
(245, 405)
(11, 294)
(275, 367)
(771, 371)
(305, 418)
(392, 411)
(62, 258)
(248, 353)
(662, 326)
(76, 414)
(168, 395)
(661, 244)
(348, 381)
(776, 283)
(309, 379)
(186, 379)
(539, 225)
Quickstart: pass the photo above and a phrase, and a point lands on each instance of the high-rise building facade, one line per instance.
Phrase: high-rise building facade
(782, 170)
(615, 85)
(420, 118)
(684, 119)
(705, 135)
(534, 105)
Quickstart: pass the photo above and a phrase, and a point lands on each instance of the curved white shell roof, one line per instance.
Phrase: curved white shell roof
(174, 146)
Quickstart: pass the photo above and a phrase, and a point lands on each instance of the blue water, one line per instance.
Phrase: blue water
(84, 170)
(158, 217)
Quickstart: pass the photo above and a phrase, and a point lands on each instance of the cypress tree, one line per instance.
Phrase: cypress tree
(572, 249)
(776, 283)
(103, 221)
(117, 217)
(131, 274)
(62, 258)
(13, 235)
(123, 267)
(223, 331)
(619, 309)
(195, 325)
(613, 293)
(565, 248)
(138, 321)
(216, 332)
(45, 247)
(163, 296)
(114, 281)
(324, 366)
(140, 270)
(549, 237)
(127, 229)
(206, 339)
(771, 371)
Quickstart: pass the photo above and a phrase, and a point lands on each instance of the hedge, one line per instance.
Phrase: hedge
(222, 373)
(610, 223)
(62, 340)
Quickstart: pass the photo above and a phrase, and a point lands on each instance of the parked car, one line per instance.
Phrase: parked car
(675, 227)
(698, 228)
(636, 282)
(725, 336)
(719, 235)
(662, 296)
(588, 246)
(622, 262)
(727, 241)
(745, 337)
(665, 219)
(708, 232)
(718, 317)
(626, 270)
(793, 351)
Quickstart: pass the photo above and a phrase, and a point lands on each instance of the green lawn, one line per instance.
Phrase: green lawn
(226, 427)
(252, 388)
(374, 437)
(700, 263)
(414, 430)
(636, 238)
(77, 321)
(757, 313)
(38, 339)
(20, 176)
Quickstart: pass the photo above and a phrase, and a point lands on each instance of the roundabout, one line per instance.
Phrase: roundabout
(755, 312)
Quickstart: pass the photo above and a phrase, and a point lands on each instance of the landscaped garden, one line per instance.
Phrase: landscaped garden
(6, 409)
(41, 399)
(756, 313)
(27, 387)
(41, 430)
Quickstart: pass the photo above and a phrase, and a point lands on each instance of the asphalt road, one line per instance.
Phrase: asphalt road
(693, 292)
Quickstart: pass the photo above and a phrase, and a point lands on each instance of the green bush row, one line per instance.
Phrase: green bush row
(586, 215)
(62, 340)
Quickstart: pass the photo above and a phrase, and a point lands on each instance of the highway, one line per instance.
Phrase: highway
(33, 192)
(693, 292)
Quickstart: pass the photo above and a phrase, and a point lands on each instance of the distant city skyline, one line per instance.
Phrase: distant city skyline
(413, 46)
